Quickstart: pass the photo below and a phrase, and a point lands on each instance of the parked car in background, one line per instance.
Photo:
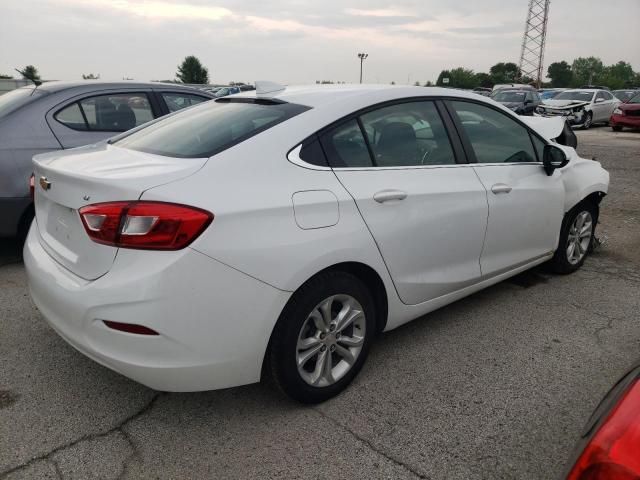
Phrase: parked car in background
(609, 446)
(485, 92)
(61, 115)
(224, 91)
(520, 86)
(358, 229)
(626, 114)
(522, 102)
(580, 107)
(624, 95)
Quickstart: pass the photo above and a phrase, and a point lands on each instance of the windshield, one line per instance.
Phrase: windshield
(15, 99)
(509, 97)
(635, 98)
(209, 128)
(577, 95)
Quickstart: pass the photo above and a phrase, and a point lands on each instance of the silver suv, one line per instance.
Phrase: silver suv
(62, 115)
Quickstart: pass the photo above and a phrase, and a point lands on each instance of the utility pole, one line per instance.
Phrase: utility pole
(533, 42)
(362, 56)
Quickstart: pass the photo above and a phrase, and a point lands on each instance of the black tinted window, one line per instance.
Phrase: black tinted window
(494, 136)
(311, 152)
(116, 112)
(71, 116)
(209, 128)
(407, 134)
(345, 146)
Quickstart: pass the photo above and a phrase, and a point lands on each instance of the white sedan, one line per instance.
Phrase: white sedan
(580, 107)
(278, 232)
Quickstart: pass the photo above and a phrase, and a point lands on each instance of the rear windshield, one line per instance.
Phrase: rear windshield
(15, 99)
(209, 128)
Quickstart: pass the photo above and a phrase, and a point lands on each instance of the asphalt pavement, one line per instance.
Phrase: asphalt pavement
(497, 385)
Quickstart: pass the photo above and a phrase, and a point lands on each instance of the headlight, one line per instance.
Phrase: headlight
(617, 111)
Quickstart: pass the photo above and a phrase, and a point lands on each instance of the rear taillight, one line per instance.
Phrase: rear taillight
(144, 225)
(32, 186)
(614, 451)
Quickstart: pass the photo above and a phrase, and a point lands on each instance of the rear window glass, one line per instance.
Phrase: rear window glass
(15, 99)
(209, 128)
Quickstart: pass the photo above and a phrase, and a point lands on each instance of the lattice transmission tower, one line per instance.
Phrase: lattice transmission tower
(535, 33)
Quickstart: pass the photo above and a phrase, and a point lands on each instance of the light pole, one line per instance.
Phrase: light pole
(362, 56)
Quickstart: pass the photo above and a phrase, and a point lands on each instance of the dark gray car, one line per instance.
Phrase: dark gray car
(61, 115)
(522, 102)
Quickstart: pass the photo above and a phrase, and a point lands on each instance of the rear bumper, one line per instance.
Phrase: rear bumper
(624, 121)
(11, 211)
(213, 322)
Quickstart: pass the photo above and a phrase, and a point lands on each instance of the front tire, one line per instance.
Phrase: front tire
(616, 128)
(576, 238)
(588, 121)
(322, 337)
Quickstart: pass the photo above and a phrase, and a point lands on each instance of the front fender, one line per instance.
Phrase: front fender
(581, 178)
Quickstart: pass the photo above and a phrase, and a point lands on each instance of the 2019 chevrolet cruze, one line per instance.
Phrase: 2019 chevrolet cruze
(279, 231)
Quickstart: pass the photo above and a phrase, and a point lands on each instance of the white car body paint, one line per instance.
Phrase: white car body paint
(277, 223)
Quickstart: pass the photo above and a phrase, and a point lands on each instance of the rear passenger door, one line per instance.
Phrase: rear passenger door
(424, 206)
(526, 206)
(94, 117)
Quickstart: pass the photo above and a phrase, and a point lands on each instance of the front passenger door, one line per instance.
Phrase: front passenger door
(526, 206)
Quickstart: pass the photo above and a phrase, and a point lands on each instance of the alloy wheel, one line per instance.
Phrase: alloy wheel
(579, 237)
(330, 340)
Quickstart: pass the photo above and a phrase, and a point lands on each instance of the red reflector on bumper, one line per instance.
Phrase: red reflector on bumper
(130, 328)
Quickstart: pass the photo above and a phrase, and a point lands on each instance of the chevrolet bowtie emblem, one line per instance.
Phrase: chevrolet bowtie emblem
(44, 183)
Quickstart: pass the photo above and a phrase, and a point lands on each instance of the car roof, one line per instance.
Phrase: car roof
(325, 95)
(58, 86)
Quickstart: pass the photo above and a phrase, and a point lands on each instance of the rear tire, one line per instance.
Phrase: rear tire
(616, 128)
(576, 238)
(322, 337)
(25, 224)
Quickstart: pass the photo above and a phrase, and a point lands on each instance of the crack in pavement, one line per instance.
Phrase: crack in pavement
(92, 436)
(371, 446)
(134, 452)
(598, 330)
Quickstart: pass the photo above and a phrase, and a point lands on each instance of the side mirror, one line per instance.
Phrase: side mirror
(553, 157)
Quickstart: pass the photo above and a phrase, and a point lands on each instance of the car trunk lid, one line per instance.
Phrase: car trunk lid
(67, 181)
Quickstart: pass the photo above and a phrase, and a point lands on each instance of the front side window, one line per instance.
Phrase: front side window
(178, 101)
(345, 146)
(601, 96)
(116, 112)
(208, 128)
(575, 95)
(408, 134)
(494, 136)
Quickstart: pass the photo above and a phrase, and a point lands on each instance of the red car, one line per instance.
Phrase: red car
(609, 448)
(626, 114)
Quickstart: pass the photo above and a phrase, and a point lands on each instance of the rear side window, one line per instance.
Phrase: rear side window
(209, 128)
(178, 101)
(107, 113)
(346, 147)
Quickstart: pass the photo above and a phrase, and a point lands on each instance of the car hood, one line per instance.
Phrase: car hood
(564, 103)
(629, 107)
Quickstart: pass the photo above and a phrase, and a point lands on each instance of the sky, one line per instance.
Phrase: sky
(297, 41)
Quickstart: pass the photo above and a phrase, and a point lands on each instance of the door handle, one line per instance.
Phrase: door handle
(500, 188)
(389, 195)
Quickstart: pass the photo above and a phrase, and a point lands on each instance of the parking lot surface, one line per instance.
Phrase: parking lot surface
(497, 385)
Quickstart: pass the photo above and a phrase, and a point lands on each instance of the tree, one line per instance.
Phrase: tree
(416, 84)
(560, 74)
(30, 72)
(5, 77)
(619, 75)
(90, 76)
(192, 71)
(586, 71)
(429, 83)
(443, 74)
(504, 72)
(484, 80)
(459, 77)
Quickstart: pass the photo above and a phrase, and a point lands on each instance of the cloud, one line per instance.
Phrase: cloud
(160, 9)
(381, 12)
